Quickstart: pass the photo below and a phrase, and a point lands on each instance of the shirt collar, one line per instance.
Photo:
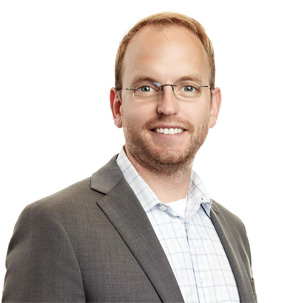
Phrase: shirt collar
(197, 193)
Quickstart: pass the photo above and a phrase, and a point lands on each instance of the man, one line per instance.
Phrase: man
(142, 228)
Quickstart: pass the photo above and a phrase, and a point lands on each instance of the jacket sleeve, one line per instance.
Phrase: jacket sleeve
(41, 264)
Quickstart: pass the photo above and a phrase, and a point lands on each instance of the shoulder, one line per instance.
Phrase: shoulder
(230, 217)
(76, 205)
(233, 224)
(73, 202)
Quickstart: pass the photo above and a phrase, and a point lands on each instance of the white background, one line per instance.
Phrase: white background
(56, 70)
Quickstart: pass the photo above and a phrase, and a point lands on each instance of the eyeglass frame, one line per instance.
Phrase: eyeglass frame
(160, 88)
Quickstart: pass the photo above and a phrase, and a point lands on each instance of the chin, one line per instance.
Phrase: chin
(171, 157)
(165, 161)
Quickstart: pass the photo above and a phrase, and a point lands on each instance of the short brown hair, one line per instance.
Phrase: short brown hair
(166, 18)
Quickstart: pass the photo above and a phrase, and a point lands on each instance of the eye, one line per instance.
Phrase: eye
(145, 89)
(189, 89)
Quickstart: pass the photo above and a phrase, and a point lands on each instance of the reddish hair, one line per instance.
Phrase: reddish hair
(166, 18)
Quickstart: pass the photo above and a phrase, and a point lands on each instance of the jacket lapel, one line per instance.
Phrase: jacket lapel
(130, 220)
(233, 255)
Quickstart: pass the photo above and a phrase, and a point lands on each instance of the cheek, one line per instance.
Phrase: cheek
(137, 115)
(198, 115)
(131, 119)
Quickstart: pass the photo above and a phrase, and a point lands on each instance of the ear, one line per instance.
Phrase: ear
(115, 106)
(215, 106)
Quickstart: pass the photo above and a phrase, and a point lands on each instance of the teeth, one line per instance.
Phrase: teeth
(169, 131)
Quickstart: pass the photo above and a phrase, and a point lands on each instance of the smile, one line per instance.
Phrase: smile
(168, 131)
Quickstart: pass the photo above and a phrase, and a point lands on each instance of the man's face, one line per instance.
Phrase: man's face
(165, 55)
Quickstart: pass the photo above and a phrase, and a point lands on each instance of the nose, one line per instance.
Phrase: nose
(168, 103)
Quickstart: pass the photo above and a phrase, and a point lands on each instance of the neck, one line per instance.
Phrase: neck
(167, 187)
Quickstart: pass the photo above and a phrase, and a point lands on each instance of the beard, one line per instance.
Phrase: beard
(164, 159)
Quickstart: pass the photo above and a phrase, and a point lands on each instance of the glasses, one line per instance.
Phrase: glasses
(152, 90)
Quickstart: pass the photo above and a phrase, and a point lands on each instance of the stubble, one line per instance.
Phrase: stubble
(164, 160)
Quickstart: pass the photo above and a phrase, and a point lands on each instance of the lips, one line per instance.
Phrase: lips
(172, 126)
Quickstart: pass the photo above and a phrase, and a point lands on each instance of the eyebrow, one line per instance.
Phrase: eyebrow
(140, 79)
(193, 77)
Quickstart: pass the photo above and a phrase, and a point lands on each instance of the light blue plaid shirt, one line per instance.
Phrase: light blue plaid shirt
(191, 244)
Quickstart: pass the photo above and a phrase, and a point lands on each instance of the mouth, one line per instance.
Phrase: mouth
(168, 131)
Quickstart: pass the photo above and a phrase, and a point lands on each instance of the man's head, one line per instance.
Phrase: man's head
(165, 100)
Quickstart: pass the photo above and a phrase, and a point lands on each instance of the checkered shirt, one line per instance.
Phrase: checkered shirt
(191, 244)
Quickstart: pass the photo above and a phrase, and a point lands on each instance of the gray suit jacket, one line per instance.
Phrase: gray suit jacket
(93, 242)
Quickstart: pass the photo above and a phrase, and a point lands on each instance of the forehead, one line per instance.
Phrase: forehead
(159, 50)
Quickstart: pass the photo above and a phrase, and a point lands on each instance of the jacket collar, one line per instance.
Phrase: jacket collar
(130, 220)
(228, 240)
